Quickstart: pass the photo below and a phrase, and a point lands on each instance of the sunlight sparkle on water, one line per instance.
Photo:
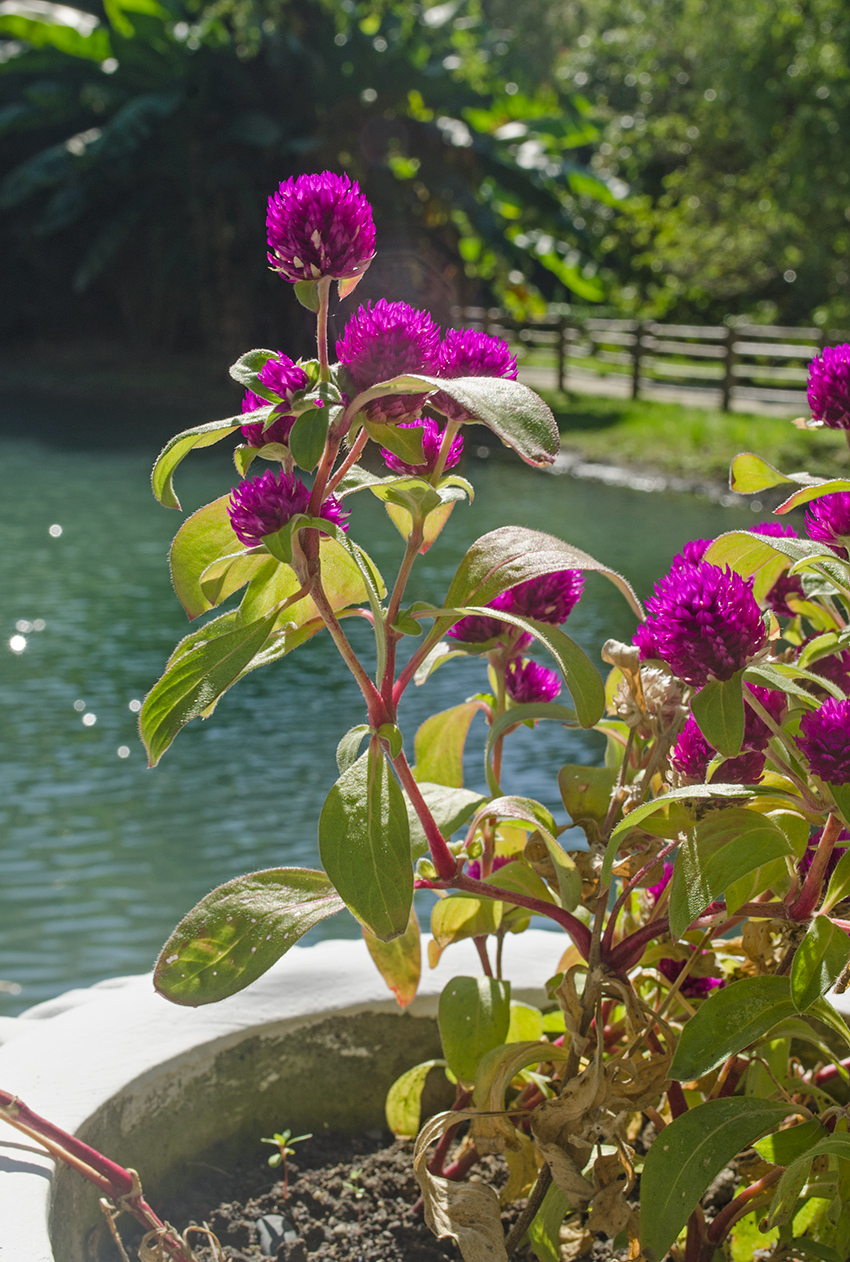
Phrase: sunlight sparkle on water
(123, 751)
(54, 531)
(18, 643)
(79, 704)
(89, 720)
(135, 706)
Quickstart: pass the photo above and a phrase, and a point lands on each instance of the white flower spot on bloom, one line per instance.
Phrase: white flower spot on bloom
(79, 705)
(169, 959)
(54, 531)
(123, 751)
(17, 643)
(89, 720)
(135, 706)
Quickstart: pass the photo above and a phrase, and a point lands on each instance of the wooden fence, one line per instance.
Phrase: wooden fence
(725, 364)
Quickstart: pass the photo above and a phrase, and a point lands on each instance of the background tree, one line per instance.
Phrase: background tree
(142, 141)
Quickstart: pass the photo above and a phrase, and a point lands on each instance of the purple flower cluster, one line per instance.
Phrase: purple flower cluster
(466, 353)
(320, 225)
(692, 755)
(550, 598)
(284, 378)
(811, 848)
(432, 438)
(704, 623)
(828, 521)
(829, 387)
(527, 682)
(261, 506)
(385, 340)
(692, 987)
(824, 740)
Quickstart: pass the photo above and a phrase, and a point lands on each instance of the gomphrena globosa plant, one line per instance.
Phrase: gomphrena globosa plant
(702, 877)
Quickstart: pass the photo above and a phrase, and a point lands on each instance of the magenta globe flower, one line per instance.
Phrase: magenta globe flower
(692, 553)
(320, 225)
(283, 377)
(499, 860)
(692, 987)
(261, 506)
(550, 598)
(466, 353)
(829, 387)
(527, 682)
(432, 438)
(704, 623)
(385, 340)
(824, 739)
(757, 734)
(692, 755)
(828, 521)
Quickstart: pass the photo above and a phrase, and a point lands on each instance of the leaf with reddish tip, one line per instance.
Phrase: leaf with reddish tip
(399, 962)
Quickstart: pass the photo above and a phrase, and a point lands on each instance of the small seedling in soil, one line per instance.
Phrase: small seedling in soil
(283, 1142)
(353, 1187)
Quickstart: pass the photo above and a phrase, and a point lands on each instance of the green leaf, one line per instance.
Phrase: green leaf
(581, 676)
(524, 810)
(307, 293)
(813, 493)
(450, 807)
(195, 679)
(364, 843)
(415, 495)
(513, 412)
(696, 792)
(308, 436)
(526, 713)
(688, 1155)
(439, 744)
(839, 883)
(815, 1249)
(474, 1017)
(514, 554)
(791, 1184)
(461, 916)
(246, 371)
(43, 32)
(526, 1024)
(748, 554)
(586, 792)
(404, 1100)
(783, 1147)
(819, 961)
(730, 1020)
(239, 930)
(202, 539)
(402, 442)
(348, 749)
(399, 962)
(725, 846)
(718, 708)
(750, 473)
(736, 1016)
(179, 446)
(544, 1232)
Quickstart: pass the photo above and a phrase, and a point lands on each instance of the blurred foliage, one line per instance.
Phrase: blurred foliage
(141, 140)
(732, 129)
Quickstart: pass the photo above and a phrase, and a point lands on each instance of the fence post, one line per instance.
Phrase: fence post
(637, 356)
(728, 365)
(562, 353)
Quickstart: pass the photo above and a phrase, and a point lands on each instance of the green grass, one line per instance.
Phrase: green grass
(676, 438)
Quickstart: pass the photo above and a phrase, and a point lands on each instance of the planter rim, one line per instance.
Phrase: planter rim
(68, 1057)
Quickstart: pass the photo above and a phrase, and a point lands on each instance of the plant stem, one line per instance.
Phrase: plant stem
(806, 901)
(526, 1218)
(608, 940)
(377, 715)
(353, 456)
(481, 947)
(579, 932)
(442, 858)
(414, 542)
(324, 294)
(451, 430)
(121, 1185)
(738, 1207)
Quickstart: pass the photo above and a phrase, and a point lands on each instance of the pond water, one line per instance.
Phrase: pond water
(101, 856)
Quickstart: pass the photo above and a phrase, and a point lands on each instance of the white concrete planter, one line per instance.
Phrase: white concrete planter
(154, 1086)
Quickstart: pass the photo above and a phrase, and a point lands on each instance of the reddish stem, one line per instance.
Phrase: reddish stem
(481, 947)
(737, 1208)
(676, 1099)
(579, 933)
(114, 1181)
(442, 858)
(435, 1165)
(807, 899)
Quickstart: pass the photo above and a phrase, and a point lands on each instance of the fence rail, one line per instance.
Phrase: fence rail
(723, 363)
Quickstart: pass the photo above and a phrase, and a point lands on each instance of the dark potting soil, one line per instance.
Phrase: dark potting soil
(352, 1199)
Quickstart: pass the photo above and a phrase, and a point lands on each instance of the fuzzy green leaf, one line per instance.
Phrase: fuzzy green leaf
(474, 1016)
(239, 930)
(179, 446)
(819, 961)
(719, 710)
